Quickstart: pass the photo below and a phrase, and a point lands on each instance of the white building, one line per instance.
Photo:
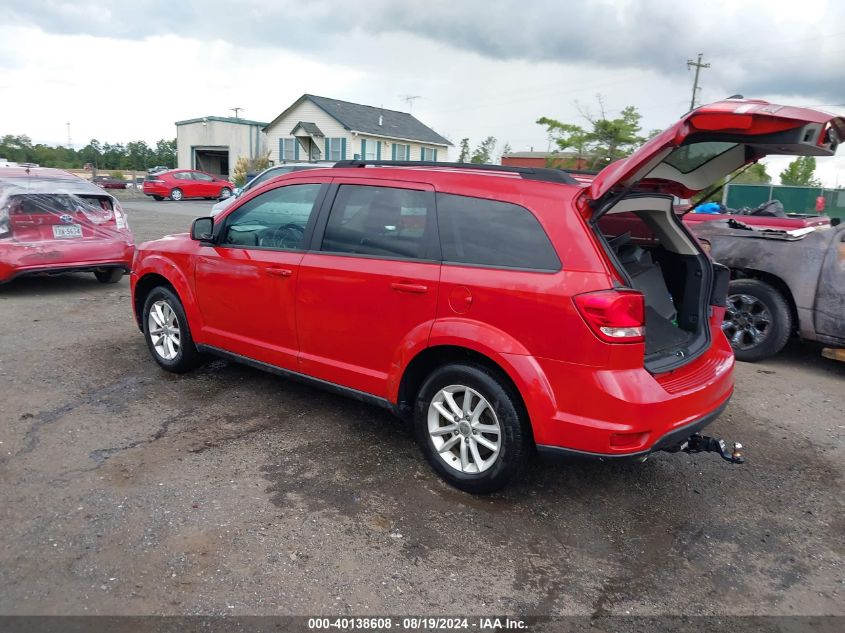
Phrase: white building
(311, 129)
(214, 143)
(318, 128)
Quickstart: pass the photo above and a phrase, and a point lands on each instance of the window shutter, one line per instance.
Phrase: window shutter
(295, 149)
(343, 148)
(281, 150)
(378, 150)
(364, 149)
(328, 147)
(435, 156)
(394, 152)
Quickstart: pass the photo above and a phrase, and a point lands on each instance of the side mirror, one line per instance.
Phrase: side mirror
(202, 230)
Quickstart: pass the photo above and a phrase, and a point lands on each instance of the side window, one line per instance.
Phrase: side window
(182, 175)
(492, 233)
(275, 219)
(381, 221)
(202, 177)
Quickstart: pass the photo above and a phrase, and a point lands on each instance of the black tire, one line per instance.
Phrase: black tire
(752, 302)
(176, 194)
(225, 193)
(187, 356)
(514, 438)
(158, 198)
(109, 275)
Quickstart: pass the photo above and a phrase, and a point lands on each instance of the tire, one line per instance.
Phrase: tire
(225, 192)
(166, 305)
(176, 194)
(158, 198)
(456, 461)
(109, 275)
(758, 321)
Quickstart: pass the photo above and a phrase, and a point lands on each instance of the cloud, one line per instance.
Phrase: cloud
(756, 47)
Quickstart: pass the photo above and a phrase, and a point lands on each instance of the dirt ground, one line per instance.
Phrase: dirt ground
(127, 490)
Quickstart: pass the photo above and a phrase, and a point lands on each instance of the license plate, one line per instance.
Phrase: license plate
(61, 231)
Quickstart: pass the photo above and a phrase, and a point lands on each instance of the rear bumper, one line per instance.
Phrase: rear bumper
(156, 191)
(17, 258)
(599, 411)
(671, 440)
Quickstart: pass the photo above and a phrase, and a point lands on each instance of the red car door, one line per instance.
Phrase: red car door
(246, 283)
(369, 289)
(205, 186)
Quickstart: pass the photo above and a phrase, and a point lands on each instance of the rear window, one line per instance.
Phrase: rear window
(492, 233)
(688, 158)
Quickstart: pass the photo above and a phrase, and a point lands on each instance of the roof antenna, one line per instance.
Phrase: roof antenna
(409, 99)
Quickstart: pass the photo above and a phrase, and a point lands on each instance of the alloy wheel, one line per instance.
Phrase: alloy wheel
(747, 321)
(164, 330)
(464, 429)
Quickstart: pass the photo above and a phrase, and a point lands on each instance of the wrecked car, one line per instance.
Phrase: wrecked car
(54, 222)
(785, 280)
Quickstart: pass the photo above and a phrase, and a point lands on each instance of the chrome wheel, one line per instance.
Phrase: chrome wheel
(747, 321)
(163, 326)
(176, 195)
(464, 429)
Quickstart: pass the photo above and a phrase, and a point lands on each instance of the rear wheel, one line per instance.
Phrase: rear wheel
(159, 198)
(167, 333)
(109, 275)
(470, 426)
(757, 319)
(176, 195)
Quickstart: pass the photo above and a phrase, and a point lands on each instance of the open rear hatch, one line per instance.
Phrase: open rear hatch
(651, 250)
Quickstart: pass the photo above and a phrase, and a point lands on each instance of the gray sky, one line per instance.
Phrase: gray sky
(481, 67)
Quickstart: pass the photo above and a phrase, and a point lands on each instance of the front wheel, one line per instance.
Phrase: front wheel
(225, 192)
(176, 195)
(471, 428)
(167, 333)
(757, 320)
(109, 276)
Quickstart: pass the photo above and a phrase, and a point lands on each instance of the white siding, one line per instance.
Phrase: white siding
(309, 112)
(239, 138)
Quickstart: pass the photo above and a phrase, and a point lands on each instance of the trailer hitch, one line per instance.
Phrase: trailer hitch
(705, 444)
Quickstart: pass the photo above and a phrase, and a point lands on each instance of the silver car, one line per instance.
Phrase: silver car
(264, 176)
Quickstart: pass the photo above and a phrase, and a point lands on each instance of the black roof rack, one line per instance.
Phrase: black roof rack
(529, 173)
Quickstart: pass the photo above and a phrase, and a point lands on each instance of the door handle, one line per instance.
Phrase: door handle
(416, 289)
(279, 272)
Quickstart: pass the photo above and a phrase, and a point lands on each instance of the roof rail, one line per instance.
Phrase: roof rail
(544, 174)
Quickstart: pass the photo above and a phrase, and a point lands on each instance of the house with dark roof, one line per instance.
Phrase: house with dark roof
(318, 128)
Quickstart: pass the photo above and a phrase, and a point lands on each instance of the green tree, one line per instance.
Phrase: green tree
(756, 174)
(506, 149)
(604, 140)
(464, 156)
(800, 172)
(165, 153)
(483, 154)
(139, 156)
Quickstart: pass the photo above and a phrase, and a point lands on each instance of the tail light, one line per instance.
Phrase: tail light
(615, 316)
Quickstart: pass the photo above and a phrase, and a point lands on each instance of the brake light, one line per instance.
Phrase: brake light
(615, 316)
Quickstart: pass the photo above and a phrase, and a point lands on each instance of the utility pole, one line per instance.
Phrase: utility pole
(698, 66)
(69, 144)
(236, 110)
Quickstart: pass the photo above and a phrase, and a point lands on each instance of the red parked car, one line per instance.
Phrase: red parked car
(178, 184)
(495, 308)
(52, 221)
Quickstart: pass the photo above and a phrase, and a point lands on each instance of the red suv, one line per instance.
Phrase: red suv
(496, 308)
(178, 184)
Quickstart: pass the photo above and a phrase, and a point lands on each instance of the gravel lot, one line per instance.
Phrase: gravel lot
(127, 490)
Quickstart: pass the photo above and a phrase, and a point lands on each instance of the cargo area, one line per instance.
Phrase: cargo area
(654, 255)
